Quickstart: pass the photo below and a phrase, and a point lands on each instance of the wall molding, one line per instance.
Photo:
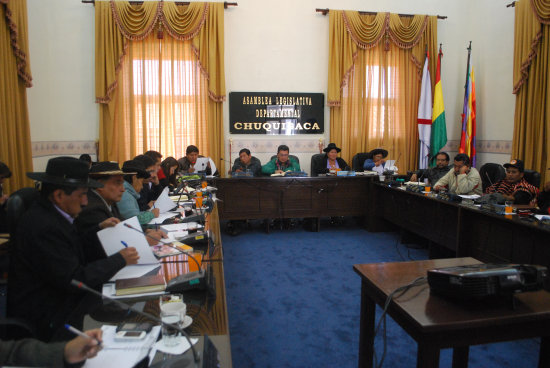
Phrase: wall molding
(270, 146)
(60, 148)
(498, 146)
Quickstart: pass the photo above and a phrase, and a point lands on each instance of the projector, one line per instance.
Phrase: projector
(485, 280)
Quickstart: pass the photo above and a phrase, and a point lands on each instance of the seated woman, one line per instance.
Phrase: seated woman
(377, 162)
(133, 183)
(169, 166)
(330, 162)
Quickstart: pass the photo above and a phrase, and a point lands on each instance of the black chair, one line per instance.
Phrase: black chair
(490, 174)
(317, 163)
(358, 160)
(532, 177)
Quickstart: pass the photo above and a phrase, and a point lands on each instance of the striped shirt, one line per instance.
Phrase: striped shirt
(505, 187)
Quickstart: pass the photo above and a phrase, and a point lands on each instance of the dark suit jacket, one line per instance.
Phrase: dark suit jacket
(33, 353)
(47, 256)
(87, 224)
(255, 166)
(320, 165)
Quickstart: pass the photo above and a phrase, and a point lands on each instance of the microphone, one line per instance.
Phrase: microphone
(487, 175)
(223, 159)
(82, 286)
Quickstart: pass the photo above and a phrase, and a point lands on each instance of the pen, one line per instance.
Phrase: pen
(80, 333)
(125, 246)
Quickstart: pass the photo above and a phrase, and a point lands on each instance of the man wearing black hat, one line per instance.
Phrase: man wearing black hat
(514, 187)
(102, 206)
(134, 175)
(329, 162)
(49, 252)
(377, 162)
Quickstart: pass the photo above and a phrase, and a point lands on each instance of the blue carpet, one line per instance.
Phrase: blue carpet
(293, 301)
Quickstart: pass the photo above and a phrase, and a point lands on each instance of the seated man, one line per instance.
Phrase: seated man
(281, 163)
(378, 161)
(102, 206)
(433, 174)
(187, 163)
(49, 252)
(463, 179)
(247, 163)
(149, 193)
(514, 187)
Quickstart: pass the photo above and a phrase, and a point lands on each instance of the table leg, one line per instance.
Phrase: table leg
(544, 354)
(460, 356)
(366, 329)
(428, 356)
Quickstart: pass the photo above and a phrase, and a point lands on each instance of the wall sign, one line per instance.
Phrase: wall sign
(276, 113)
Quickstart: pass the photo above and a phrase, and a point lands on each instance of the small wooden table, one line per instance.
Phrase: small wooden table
(436, 323)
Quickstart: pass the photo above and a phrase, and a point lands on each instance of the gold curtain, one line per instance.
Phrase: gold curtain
(15, 77)
(532, 85)
(199, 26)
(375, 70)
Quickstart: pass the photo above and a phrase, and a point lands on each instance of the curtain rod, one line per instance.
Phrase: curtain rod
(225, 4)
(511, 5)
(325, 12)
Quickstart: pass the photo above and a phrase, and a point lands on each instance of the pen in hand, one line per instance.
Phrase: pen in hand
(80, 333)
(124, 243)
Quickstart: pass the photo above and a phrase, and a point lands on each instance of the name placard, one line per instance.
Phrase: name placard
(276, 113)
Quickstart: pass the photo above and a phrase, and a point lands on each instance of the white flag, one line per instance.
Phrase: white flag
(425, 117)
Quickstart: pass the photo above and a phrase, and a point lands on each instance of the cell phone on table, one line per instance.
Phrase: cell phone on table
(132, 331)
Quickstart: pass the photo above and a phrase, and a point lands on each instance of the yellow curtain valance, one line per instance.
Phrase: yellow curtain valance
(349, 30)
(16, 21)
(117, 22)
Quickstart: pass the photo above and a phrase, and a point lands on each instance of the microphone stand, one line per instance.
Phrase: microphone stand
(82, 286)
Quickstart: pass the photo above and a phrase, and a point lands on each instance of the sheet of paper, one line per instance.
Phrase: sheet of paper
(161, 218)
(201, 164)
(163, 202)
(131, 271)
(470, 196)
(113, 238)
(122, 354)
(542, 217)
(212, 165)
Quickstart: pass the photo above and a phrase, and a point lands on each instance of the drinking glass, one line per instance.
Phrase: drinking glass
(508, 208)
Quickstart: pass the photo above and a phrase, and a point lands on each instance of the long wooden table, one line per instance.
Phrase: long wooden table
(290, 197)
(436, 323)
(208, 308)
(464, 230)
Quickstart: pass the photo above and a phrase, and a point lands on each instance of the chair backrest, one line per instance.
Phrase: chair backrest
(491, 173)
(532, 177)
(358, 160)
(19, 202)
(289, 156)
(316, 163)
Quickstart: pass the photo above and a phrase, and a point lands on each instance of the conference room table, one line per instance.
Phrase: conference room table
(208, 308)
(436, 323)
(292, 197)
(462, 229)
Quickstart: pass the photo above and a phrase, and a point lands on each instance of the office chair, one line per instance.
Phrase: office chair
(490, 174)
(358, 160)
(532, 177)
(19, 202)
(317, 163)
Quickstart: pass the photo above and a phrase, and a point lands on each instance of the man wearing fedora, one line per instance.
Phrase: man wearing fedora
(514, 187)
(49, 251)
(102, 206)
(377, 162)
(329, 162)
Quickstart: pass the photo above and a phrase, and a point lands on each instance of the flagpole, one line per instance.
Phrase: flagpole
(467, 68)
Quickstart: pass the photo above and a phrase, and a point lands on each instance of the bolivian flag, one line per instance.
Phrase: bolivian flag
(438, 138)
